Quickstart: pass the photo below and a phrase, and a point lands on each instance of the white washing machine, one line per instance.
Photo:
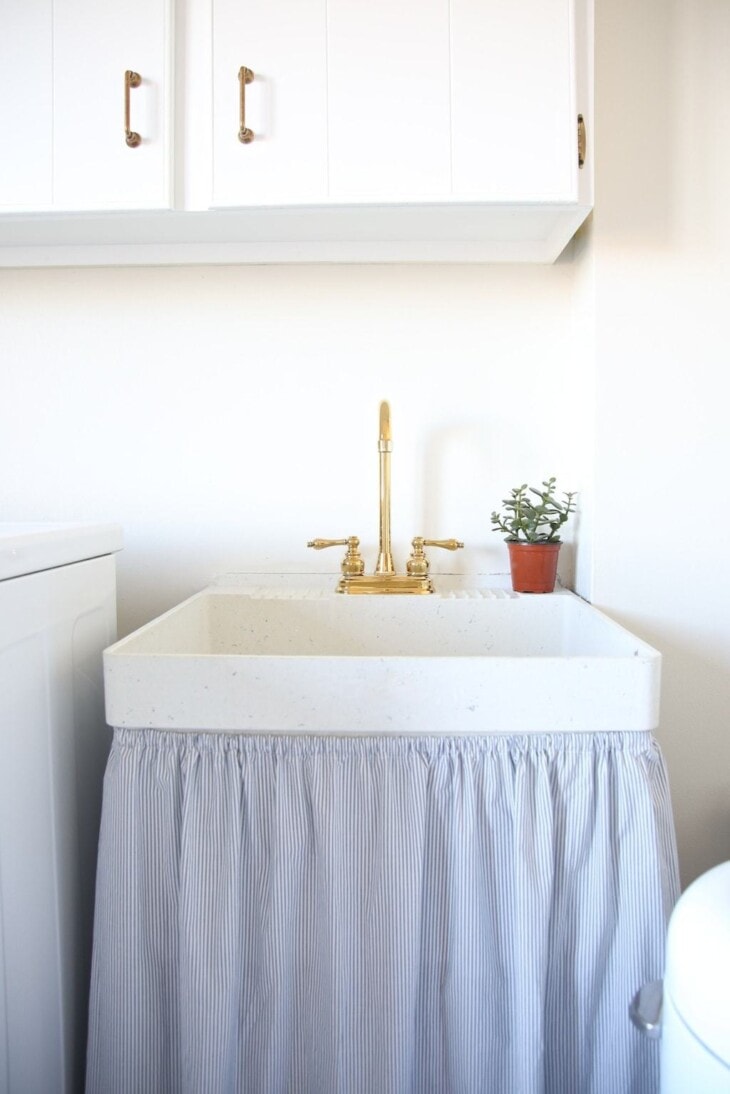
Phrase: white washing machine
(695, 1040)
(690, 1009)
(57, 613)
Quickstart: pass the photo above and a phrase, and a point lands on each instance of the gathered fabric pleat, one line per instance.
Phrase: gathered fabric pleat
(299, 915)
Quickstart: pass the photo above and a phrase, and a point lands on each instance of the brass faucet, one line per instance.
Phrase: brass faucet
(385, 579)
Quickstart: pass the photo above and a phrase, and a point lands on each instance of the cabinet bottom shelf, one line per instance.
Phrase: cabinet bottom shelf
(458, 233)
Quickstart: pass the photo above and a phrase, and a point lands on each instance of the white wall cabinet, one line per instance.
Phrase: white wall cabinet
(439, 131)
(26, 104)
(62, 91)
(349, 102)
(388, 101)
(94, 45)
(464, 100)
(513, 101)
(283, 43)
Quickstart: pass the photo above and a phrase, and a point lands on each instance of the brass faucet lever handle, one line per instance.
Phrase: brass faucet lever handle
(352, 564)
(417, 565)
(320, 544)
(447, 544)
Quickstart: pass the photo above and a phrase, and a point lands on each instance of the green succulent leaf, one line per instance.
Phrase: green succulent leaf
(537, 518)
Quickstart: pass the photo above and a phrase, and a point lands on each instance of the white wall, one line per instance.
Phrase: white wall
(226, 415)
(661, 246)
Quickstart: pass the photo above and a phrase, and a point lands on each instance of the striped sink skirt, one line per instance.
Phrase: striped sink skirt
(291, 915)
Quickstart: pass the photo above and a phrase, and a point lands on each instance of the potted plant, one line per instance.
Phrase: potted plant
(531, 519)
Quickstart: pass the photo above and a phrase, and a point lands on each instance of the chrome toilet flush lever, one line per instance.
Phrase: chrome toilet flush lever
(385, 579)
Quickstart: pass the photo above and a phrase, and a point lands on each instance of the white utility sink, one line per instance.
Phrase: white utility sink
(234, 658)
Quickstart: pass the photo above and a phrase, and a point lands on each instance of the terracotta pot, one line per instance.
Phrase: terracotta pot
(534, 566)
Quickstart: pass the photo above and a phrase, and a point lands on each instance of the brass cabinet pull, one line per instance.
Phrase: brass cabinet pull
(131, 79)
(245, 76)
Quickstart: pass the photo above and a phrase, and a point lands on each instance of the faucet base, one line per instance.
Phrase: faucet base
(388, 584)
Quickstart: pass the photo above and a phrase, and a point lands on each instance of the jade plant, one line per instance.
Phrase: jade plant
(533, 515)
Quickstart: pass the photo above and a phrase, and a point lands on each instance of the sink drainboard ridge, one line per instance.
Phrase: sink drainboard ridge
(256, 592)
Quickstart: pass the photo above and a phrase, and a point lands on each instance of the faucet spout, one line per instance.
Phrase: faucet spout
(384, 564)
(384, 425)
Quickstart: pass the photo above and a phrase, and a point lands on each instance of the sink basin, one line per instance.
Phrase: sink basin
(237, 659)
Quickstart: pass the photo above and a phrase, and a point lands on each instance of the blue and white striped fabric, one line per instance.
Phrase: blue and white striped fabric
(378, 916)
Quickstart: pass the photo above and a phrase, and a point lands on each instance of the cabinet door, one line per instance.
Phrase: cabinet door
(512, 100)
(26, 97)
(388, 78)
(283, 42)
(94, 44)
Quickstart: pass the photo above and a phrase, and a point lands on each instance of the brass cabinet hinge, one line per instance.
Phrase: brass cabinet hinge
(581, 140)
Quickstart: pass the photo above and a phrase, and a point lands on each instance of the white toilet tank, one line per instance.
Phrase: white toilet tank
(695, 1035)
(57, 613)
